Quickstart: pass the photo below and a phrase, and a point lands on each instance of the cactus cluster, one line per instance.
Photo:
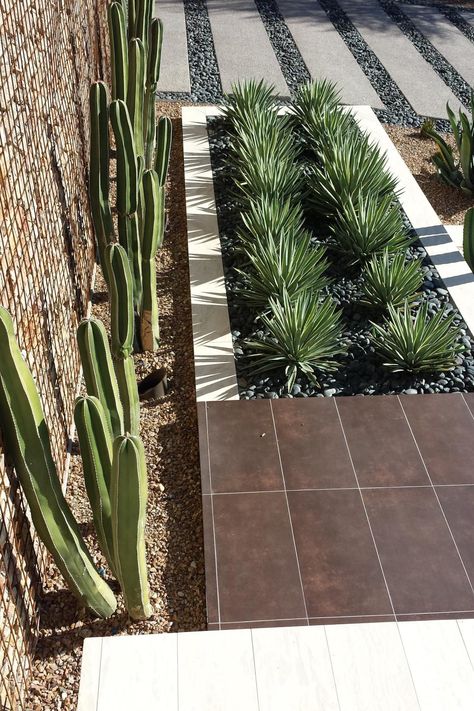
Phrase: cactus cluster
(142, 150)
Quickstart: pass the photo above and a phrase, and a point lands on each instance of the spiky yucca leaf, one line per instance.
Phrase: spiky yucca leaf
(265, 136)
(246, 98)
(271, 217)
(323, 130)
(312, 99)
(390, 280)
(367, 225)
(283, 266)
(305, 335)
(417, 343)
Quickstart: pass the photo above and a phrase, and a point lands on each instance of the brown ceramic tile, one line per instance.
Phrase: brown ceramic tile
(458, 506)
(469, 398)
(242, 444)
(339, 565)
(213, 627)
(460, 614)
(420, 561)
(257, 567)
(350, 620)
(444, 430)
(258, 624)
(209, 561)
(380, 442)
(203, 447)
(312, 446)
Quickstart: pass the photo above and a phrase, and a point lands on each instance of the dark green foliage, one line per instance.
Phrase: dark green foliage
(246, 98)
(468, 238)
(390, 280)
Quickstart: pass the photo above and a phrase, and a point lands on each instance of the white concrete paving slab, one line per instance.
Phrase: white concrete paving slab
(242, 47)
(325, 53)
(174, 71)
(451, 43)
(422, 87)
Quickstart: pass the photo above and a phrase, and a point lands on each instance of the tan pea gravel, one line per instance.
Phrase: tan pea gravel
(450, 203)
(174, 521)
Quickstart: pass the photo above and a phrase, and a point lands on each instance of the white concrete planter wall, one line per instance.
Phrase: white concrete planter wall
(213, 351)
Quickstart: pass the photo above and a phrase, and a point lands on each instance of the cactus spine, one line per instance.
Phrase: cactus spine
(96, 452)
(122, 328)
(129, 497)
(153, 228)
(119, 50)
(27, 442)
(99, 373)
(468, 238)
(99, 167)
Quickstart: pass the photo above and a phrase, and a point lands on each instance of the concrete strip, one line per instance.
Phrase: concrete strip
(242, 46)
(213, 348)
(448, 40)
(422, 87)
(443, 252)
(174, 74)
(325, 53)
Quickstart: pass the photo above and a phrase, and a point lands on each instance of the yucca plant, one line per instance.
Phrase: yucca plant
(313, 99)
(417, 343)
(456, 170)
(270, 179)
(283, 266)
(390, 280)
(269, 216)
(324, 129)
(351, 168)
(366, 225)
(304, 336)
(266, 135)
(246, 98)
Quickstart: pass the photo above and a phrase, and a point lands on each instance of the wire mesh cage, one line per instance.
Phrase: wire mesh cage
(50, 51)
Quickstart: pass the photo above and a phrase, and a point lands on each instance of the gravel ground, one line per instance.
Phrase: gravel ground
(450, 204)
(361, 370)
(174, 522)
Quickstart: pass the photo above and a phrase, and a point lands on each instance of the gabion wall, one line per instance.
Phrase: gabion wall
(50, 51)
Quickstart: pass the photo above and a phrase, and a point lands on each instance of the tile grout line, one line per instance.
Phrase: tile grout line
(378, 554)
(437, 497)
(289, 512)
(465, 645)
(100, 670)
(328, 647)
(213, 520)
(255, 669)
(339, 488)
(468, 408)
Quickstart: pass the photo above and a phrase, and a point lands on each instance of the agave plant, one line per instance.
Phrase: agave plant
(283, 266)
(246, 98)
(268, 178)
(264, 135)
(417, 343)
(366, 225)
(304, 335)
(271, 217)
(313, 99)
(390, 280)
(456, 170)
(351, 168)
(324, 129)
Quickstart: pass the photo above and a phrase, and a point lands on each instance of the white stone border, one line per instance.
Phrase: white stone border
(213, 350)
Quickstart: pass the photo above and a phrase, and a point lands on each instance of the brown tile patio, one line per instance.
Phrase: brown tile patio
(326, 510)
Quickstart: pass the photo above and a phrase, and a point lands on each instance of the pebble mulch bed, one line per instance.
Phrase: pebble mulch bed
(360, 371)
(174, 521)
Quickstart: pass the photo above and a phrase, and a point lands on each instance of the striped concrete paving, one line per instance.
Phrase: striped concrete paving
(422, 87)
(174, 72)
(325, 53)
(242, 46)
(448, 40)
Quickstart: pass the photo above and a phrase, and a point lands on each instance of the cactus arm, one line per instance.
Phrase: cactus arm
(99, 167)
(468, 238)
(27, 443)
(154, 54)
(127, 167)
(129, 498)
(129, 238)
(164, 133)
(96, 452)
(149, 128)
(136, 91)
(131, 17)
(122, 328)
(143, 17)
(99, 372)
(118, 50)
(153, 229)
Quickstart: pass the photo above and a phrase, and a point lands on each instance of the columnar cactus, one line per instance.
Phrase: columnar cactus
(136, 91)
(119, 50)
(99, 167)
(468, 238)
(128, 498)
(152, 237)
(99, 372)
(27, 442)
(152, 77)
(96, 452)
(122, 328)
(164, 134)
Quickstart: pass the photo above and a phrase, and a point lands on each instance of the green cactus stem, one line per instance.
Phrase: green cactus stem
(99, 167)
(27, 443)
(153, 229)
(164, 134)
(122, 329)
(143, 19)
(136, 91)
(99, 374)
(127, 167)
(152, 77)
(96, 452)
(468, 238)
(119, 50)
(129, 498)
